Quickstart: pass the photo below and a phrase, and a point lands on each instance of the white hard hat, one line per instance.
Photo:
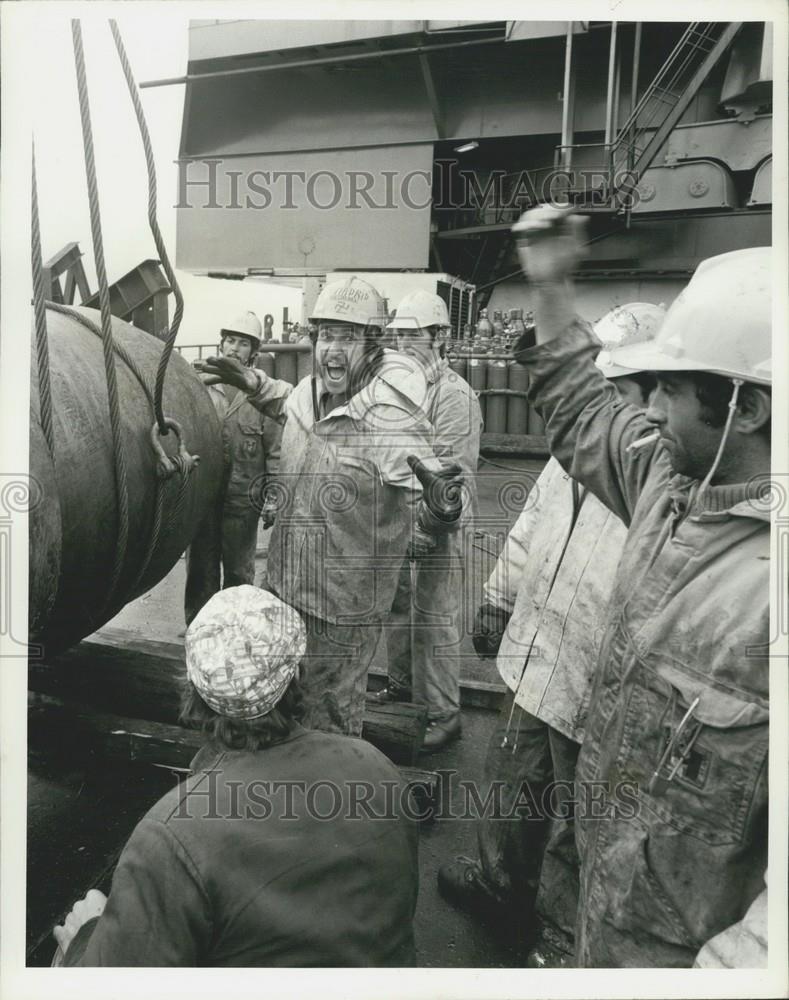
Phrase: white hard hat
(624, 326)
(246, 324)
(351, 301)
(419, 310)
(721, 323)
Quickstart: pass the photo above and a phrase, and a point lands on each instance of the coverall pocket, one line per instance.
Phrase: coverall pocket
(704, 783)
(641, 906)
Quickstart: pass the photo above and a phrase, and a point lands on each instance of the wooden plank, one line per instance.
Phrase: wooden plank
(528, 445)
(53, 723)
(473, 694)
(130, 676)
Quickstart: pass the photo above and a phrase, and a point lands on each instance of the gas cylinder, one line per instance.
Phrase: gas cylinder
(496, 411)
(265, 362)
(286, 366)
(478, 377)
(457, 360)
(517, 326)
(536, 423)
(498, 326)
(484, 326)
(73, 525)
(304, 359)
(517, 406)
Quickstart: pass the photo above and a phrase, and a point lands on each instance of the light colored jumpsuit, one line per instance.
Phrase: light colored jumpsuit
(680, 703)
(347, 504)
(554, 578)
(424, 647)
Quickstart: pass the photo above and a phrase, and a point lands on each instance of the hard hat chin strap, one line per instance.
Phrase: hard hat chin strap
(736, 383)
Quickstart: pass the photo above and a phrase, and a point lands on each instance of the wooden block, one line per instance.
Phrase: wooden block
(526, 445)
(123, 674)
(397, 728)
(51, 722)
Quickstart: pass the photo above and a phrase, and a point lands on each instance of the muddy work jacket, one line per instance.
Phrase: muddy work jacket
(675, 754)
(347, 498)
(554, 577)
(250, 446)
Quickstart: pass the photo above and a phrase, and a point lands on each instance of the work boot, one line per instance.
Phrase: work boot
(462, 883)
(441, 732)
(393, 692)
(552, 950)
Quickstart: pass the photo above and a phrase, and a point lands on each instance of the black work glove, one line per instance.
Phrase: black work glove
(490, 624)
(229, 371)
(442, 500)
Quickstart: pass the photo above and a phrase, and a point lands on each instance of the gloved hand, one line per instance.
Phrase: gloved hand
(230, 371)
(442, 502)
(81, 912)
(550, 243)
(490, 624)
(421, 544)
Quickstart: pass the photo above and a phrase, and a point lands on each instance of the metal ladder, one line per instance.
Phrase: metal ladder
(667, 98)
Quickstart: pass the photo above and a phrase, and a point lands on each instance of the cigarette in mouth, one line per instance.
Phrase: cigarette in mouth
(642, 442)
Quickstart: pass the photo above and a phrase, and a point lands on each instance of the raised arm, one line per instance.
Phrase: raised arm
(589, 429)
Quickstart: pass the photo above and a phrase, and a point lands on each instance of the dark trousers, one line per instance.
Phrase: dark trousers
(221, 555)
(526, 850)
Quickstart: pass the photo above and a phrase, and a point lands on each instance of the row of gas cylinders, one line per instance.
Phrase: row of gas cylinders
(501, 413)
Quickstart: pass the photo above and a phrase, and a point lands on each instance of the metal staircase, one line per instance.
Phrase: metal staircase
(667, 98)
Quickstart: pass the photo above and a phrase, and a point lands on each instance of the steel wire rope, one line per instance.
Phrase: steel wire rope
(172, 333)
(39, 310)
(121, 478)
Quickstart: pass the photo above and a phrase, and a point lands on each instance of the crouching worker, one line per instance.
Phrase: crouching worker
(285, 847)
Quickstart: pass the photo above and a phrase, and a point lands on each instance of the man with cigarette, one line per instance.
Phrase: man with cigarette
(540, 618)
(679, 705)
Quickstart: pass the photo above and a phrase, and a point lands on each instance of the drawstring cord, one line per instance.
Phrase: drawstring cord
(732, 408)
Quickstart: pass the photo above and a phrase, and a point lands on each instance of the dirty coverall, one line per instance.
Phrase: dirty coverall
(347, 504)
(680, 690)
(431, 667)
(222, 553)
(554, 578)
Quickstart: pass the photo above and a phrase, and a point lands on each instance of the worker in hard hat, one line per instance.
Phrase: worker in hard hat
(262, 856)
(348, 500)
(222, 554)
(539, 618)
(423, 631)
(680, 700)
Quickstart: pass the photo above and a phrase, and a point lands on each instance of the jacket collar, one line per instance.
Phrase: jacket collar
(750, 499)
(435, 370)
(211, 753)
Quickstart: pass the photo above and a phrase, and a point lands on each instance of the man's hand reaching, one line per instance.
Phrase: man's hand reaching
(229, 371)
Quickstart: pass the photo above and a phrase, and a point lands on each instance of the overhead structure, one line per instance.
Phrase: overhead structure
(412, 145)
